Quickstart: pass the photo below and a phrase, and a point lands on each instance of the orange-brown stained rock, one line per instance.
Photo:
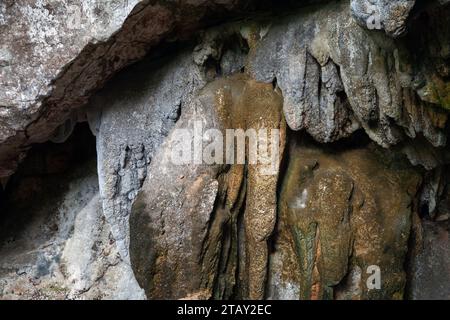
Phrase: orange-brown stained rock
(258, 107)
(184, 232)
(343, 210)
(262, 106)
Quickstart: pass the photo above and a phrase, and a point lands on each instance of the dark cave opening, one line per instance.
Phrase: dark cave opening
(424, 212)
(38, 186)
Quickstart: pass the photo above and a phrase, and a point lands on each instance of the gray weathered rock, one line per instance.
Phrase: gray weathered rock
(430, 266)
(145, 227)
(390, 16)
(55, 54)
(131, 118)
(337, 76)
(57, 244)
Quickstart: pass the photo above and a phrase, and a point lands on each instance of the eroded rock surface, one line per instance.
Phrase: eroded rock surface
(55, 241)
(341, 211)
(390, 16)
(182, 206)
(430, 263)
(55, 54)
(131, 118)
(336, 76)
(361, 104)
(51, 65)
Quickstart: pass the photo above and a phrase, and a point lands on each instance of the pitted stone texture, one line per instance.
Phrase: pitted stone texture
(171, 216)
(430, 265)
(41, 41)
(390, 16)
(55, 54)
(131, 118)
(336, 76)
(184, 222)
(341, 210)
(55, 242)
(47, 68)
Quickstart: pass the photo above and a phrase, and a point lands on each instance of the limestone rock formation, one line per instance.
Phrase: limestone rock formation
(391, 16)
(343, 210)
(54, 54)
(55, 241)
(132, 164)
(151, 106)
(208, 200)
(431, 265)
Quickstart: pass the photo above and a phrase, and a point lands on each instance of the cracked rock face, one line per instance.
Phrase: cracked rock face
(54, 54)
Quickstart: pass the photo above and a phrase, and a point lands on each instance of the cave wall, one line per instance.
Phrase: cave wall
(55, 242)
(360, 177)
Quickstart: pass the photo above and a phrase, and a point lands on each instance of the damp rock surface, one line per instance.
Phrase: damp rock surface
(207, 200)
(354, 97)
(343, 210)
